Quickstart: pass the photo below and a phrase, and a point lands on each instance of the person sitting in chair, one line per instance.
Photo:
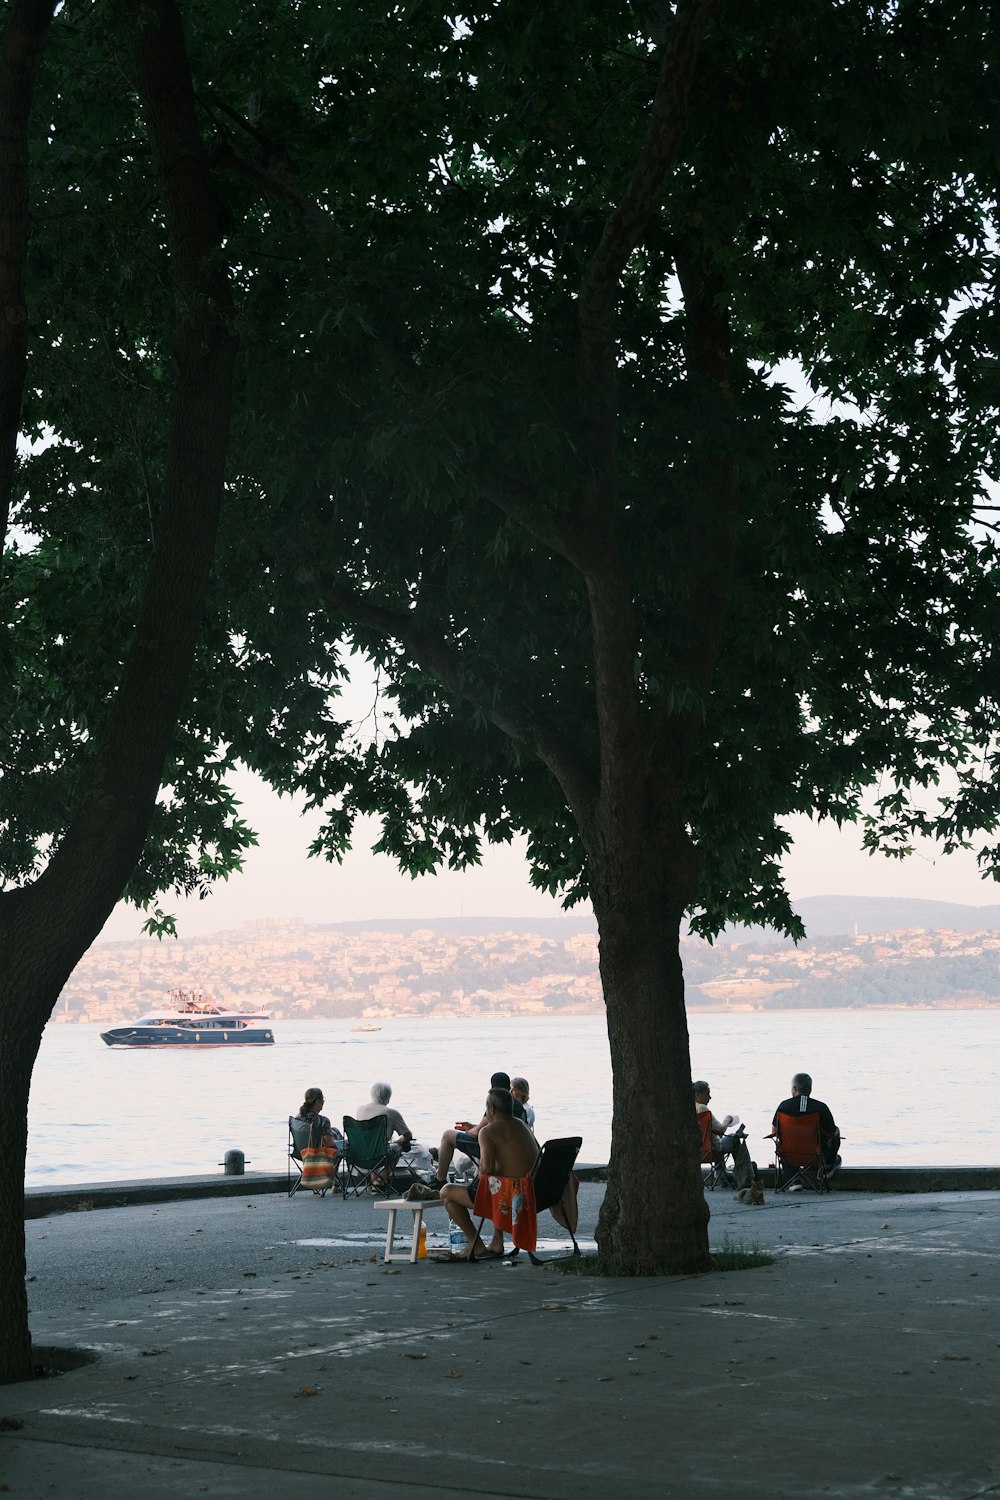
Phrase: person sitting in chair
(521, 1092)
(505, 1194)
(321, 1132)
(400, 1134)
(802, 1103)
(465, 1138)
(723, 1142)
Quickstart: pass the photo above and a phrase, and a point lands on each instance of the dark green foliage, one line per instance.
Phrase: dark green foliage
(412, 210)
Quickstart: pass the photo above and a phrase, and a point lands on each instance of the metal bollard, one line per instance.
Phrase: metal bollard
(233, 1164)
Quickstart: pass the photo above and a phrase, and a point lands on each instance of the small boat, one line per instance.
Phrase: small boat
(196, 1023)
(366, 1028)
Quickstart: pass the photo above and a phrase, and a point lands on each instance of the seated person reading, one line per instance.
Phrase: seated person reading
(723, 1142)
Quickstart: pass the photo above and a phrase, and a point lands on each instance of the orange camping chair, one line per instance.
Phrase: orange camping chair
(798, 1148)
(710, 1154)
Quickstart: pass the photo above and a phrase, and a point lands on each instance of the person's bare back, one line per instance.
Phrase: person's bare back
(508, 1147)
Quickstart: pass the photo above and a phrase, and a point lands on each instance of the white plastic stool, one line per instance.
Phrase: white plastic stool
(416, 1208)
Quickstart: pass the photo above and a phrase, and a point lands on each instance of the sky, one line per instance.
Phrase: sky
(279, 880)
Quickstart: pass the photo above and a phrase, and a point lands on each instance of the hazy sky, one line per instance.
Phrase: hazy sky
(280, 881)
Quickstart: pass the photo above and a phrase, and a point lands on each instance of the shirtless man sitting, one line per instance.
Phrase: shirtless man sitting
(508, 1152)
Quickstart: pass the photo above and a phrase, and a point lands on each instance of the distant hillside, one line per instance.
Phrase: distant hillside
(556, 927)
(859, 953)
(824, 916)
(841, 916)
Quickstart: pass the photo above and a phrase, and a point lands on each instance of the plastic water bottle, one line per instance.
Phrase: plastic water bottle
(457, 1240)
(422, 1243)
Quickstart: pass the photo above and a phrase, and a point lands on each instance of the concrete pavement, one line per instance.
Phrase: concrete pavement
(247, 1344)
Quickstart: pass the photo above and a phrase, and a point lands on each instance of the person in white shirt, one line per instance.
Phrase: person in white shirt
(400, 1133)
(519, 1088)
(721, 1139)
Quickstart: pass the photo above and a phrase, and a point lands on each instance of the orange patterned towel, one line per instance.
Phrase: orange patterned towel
(510, 1203)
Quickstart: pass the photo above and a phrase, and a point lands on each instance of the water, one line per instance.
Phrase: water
(902, 1085)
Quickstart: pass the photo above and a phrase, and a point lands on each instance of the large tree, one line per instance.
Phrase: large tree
(89, 720)
(517, 295)
(526, 292)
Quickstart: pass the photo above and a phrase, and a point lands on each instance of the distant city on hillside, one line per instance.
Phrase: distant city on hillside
(861, 952)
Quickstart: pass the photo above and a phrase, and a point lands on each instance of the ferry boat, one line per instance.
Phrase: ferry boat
(196, 1023)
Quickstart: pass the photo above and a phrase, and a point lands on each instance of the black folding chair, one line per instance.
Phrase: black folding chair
(298, 1136)
(555, 1190)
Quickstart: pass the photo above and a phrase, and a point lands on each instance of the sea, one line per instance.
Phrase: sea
(909, 1087)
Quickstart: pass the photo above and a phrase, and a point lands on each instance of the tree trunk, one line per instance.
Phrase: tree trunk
(33, 970)
(654, 1220)
(19, 1039)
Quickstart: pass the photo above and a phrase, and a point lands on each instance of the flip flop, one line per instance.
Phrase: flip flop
(449, 1258)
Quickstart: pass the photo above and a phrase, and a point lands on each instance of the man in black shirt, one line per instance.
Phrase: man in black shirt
(802, 1103)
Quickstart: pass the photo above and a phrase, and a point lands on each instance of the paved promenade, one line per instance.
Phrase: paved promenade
(251, 1344)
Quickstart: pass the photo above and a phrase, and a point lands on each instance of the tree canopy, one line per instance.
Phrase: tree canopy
(620, 381)
(421, 212)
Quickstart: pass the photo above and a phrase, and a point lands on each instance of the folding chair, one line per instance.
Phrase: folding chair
(798, 1150)
(299, 1136)
(710, 1153)
(404, 1166)
(555, 1190)
(368, 1158)
(555, 1185)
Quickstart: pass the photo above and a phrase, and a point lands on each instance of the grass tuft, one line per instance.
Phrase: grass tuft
(731, 1257)
(576, 1265)
(740, 1257)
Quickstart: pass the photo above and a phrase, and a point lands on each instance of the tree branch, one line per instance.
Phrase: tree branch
(272, 179)
(710, 550)
(567, 539)
(612, 610)
(23, 43)
(442, 662)
(624, 229)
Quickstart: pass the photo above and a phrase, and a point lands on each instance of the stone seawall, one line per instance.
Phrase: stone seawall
(85, 1196)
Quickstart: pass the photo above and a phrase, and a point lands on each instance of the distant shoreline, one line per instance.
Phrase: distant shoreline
(513, 967)
(475, 1017)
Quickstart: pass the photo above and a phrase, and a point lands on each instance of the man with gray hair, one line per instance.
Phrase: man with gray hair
(400, 1134)
(802, 1103)
(721, 1140)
